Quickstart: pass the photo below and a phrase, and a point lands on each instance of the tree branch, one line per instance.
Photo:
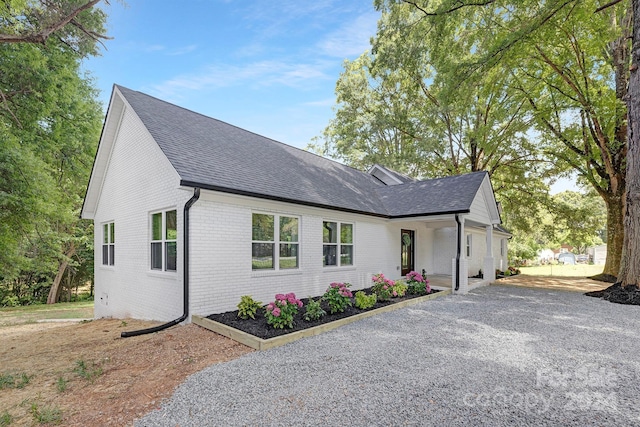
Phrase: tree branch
(452, 9)
(41, 36)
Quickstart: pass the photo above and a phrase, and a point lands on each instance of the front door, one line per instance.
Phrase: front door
(407, 254)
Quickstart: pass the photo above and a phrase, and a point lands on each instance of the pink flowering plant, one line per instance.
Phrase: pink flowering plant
(338, 296)
(383, 287)
(417, 284)
(280, 313)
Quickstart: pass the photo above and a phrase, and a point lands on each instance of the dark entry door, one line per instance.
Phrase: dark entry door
(407, 254)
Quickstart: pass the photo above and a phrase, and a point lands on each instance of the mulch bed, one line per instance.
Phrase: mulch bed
(619, 295)
(261, 329)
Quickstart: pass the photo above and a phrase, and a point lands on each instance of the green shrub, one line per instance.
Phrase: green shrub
(280, 313)
(313, 311)
(399, 289)
(364, 301)
(382, 287)
(338, 296)
(248, 307)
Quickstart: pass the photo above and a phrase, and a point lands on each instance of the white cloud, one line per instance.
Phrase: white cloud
(153, 48)
(352, 38)
(262, 73)
(182, 50)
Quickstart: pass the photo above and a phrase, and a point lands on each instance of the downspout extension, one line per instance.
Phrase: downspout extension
(458, 250)
(185, 279)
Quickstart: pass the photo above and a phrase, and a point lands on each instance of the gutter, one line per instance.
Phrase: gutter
(458, 250)
(185, 279)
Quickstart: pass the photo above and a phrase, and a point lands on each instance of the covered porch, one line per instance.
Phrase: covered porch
(444, 282)
(457, 251)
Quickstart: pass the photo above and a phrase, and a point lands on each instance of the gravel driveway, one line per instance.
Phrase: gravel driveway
(498, 356)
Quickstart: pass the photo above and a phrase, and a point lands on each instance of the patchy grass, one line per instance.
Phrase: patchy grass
(46, 414)
(84, 374)
(10, 316)
(5, 419)
(14, 381)
(578, 270)
(89, 373)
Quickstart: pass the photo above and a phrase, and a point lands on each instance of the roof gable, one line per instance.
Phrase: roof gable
(214, 155)
(448, 195)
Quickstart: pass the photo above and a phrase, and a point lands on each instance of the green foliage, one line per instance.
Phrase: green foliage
(525, 90)
(280, 313)
(248, 307)
(417, 284)
(313, 311)
(5, 419)
(89, 373)
(382, 287)
(61, 384)
(579, 219)
(11, 381)
(338, 296)
(46, 414)
(398, 289)
(364, 301)
(6, 381)
(49, 127)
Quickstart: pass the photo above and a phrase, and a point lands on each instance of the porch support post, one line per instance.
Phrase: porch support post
(460, 262)
(489, 269)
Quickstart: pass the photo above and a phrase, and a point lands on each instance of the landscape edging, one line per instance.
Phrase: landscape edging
(265, 344)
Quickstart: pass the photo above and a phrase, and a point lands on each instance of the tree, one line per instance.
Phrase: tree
(629, 274)
(395, 108)
(72, 22)
(569, 62)
(579, 219)
(50, 120)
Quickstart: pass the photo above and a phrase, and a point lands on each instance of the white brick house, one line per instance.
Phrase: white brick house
(191, 213)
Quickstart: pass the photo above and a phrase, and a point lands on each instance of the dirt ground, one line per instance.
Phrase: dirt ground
(575, 284)
(132, 375)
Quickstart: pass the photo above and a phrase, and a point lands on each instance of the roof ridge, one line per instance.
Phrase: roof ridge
(287, 146)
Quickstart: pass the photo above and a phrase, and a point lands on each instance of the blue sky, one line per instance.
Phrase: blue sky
(266, 66)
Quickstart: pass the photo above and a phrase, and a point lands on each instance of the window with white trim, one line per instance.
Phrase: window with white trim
(164, 246)
(108, 243)
(274, 242)
(469, 245)
(502, 247)
(337, 238)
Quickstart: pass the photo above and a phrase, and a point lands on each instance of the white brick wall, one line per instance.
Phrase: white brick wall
(139, 180)
(221, 252)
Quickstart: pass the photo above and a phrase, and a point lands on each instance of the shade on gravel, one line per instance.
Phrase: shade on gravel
(497, 356)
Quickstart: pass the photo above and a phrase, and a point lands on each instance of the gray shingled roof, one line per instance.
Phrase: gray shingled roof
(214, 155)
(434, 196)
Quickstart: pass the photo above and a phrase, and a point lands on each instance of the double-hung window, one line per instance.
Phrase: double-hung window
(108, 243)
(469, 248)
(337, 240)
(274, 242)
(164, 248)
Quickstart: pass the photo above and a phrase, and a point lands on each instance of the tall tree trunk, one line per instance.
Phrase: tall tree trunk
(615, 234)
(54, 292)
(629, 273)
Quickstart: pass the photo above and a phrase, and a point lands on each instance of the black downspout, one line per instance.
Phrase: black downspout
(185, 271)
(458, 250)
